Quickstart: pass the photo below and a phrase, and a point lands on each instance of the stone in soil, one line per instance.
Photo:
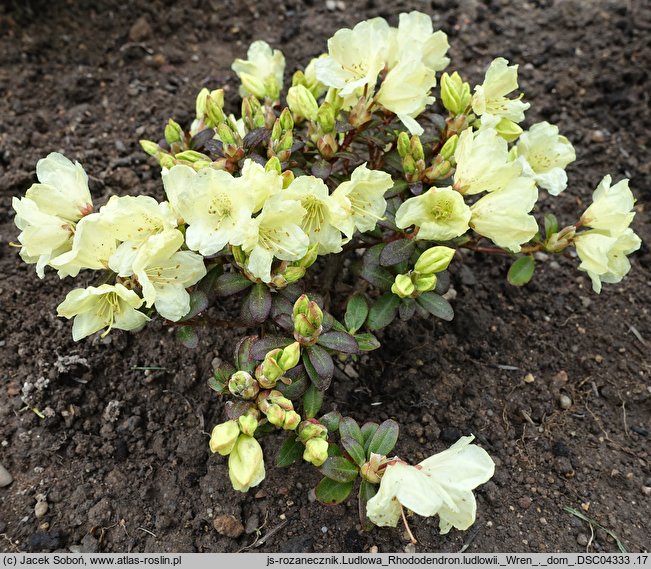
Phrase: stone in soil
(228, 525)
(5, 477)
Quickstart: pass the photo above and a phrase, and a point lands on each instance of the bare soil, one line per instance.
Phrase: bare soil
(122, 453)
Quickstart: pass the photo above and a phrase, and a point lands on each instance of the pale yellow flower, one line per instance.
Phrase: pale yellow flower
(105, 306)
(246, 464)
(503, 216)
(611, 208)
(415, 39)
(544, 155)
(439, 213)
(604, 257)
(261, 73)
(440, 485)
(490, 101)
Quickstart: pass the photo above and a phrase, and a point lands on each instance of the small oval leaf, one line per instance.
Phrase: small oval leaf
(312, 401)
(231, 283)
(521, 271)
(187, 336)
(322, 367)
(354, 449)
(339, 342)
(243, 358)
(348, 427)
(384, 438)
(356, 312)
(330, 492)
(257, 304)
(383, 311)
(331, 421)
(368, 430)
(367, 342)
(290, 451)
(339, 469)
(366, 492)
(436, 305)
(397, 252)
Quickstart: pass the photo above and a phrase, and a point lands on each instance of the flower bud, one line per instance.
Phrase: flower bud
(200, 105)
(423, 283)
(246, 464)
(290, 356)
(293, 274)
(434, 260)
(242, 384)
(286, 141)
(402, 286)
(288, 178)
(326, 117)
(439, 170)
(166, 161)
(302, 103)
(447, 151)
(308, 317)
(370, 470)
(276, 397)
(316, 451)
(192, 156)
(327, 145)
(312, 430)
(409, 165)
(272, 88)
(273, 164)
(455, 94)
(416, 148)
(247, 424)
(224, 437)
(200, 164)
(301, 304)
(275, 415)
(286, 120)
(225, 134)
(270, 368)
(150, 147)
(299, 79)
(173, 132)
(508, 130)
(292, 420)
(214, 112)
(309, 258)
(254, 85)
(404, 144)
(332, 97)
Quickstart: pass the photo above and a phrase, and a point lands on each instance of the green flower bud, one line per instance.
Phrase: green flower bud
(332, 97)
(286, 141)
(192, 156)
(409, 165)
(150, 147)
(370, 470)
(439, 170)
(272, 88)
(312, 430)
(423, 283)
(434, 260)
(252, 84)
(416, 148)
(276, 131)
(200, 164)
(214, 112)
(326, 117)
(247, 424)
(293, 274)
(275, 415)
(288, 178)
(513, 154)
(299, 79)
(223, 437)
(449, 147)
(455, 94)
(217, 96)
(292, 420)
(225, 134)
(404, 144)
(173, 132)
(286, 120)
(316, 451)
(200, 105)
(310, 257)
(302, 103)
(300, 306)
(270, 368)
(508, 130)
(302, 326)
(238, 255)
(402, 286)
(277, 398)
(166, 161)
(289, 356)
(273, 164)
(242, 384)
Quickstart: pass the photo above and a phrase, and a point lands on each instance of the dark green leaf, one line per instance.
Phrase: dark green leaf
(339, 342)
(219, 381)
(297, 387)
(312, 401)
(257, 304)
(442, 282)
(187, 336)
(356, 312)
(339, 468)
(348, 427)
(366, 492)
(263, 345)
(521, 271)
(436, 305)
(280, 305)
(367, 342)
(208, 284)
(372, 271)
(231, 283)
(290, 451)
(396, 252)
(243, 358)
(354, 449)
(321, 169)
(285, 322)
(384, 438)
(399, 186)
(292, 292)
(331, 421)
(383, 311)
(368, 430)
(198, 303)
(551, 225)
(406, 309)
(322, 367)
(330, 492)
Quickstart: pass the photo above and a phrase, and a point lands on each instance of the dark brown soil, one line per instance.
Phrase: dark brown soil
(122, 453)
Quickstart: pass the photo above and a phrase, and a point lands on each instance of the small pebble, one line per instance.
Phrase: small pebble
(228, 525)
(582, 539)
(5, 477)
(41, 508)
(410, 548)
(524, 502)
(324, 529)
(565, 402)
(646, 490)
(373, 549)
(598, 136)
(529, 378)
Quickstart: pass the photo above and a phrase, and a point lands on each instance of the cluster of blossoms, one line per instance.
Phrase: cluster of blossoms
(357, 158)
